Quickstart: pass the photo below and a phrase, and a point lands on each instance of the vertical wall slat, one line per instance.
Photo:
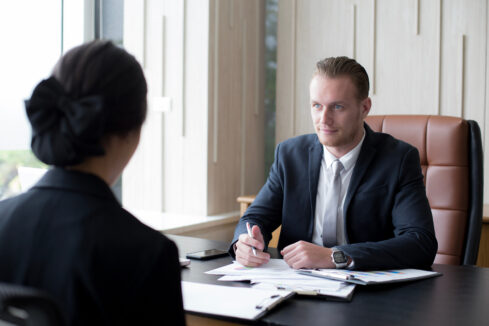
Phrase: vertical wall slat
(374, 46)
(439, 57)
(461, 56)
(258, 64)
(294, 63)
(215, 133)
(354, 31)
(244, 95)
(416, 17)
(184, 40)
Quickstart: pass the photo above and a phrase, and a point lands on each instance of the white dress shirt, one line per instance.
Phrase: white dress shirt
(326, 173)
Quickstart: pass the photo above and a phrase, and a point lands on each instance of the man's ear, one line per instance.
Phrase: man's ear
(366, 105)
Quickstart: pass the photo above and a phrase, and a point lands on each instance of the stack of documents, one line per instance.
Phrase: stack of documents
(277, 275)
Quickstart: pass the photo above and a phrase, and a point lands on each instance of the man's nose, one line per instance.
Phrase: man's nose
(326, 116)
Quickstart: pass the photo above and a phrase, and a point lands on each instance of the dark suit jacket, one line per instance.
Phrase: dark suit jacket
(69, 236)
(387, 216)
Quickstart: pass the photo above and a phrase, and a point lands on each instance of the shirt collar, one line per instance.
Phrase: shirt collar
(348, 160)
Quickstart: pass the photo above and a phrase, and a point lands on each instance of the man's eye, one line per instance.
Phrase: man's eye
(316, 106)
(338, 106)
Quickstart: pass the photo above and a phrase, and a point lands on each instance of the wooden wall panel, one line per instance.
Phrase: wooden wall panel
(202, 145)
(193, 129)
(331, 20)
(237, 168)
(464, 59)
(464, 87)
(407, 63)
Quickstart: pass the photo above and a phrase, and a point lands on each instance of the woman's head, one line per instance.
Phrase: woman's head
(96, 90)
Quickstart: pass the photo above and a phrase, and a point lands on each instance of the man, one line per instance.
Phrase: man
(346, 197)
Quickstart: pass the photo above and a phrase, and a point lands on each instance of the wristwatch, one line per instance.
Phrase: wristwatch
(339, 258)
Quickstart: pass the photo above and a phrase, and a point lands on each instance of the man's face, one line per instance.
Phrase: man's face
(337, 113)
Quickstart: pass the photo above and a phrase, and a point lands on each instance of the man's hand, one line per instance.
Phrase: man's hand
(244, 253)
(304, 254)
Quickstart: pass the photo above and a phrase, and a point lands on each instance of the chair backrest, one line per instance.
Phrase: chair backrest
(450, 151)
(21, 305)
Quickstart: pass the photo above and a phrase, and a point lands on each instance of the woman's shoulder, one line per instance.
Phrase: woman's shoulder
(113, 222)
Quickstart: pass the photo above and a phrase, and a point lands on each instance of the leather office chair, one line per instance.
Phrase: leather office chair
(450, 152)
(20, 305)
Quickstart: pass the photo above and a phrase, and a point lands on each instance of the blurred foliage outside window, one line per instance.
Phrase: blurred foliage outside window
(270, 80)
(10, 160)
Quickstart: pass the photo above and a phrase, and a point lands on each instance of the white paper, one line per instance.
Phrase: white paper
(276, 274)
(272, 267)
(252, 278)
(238, 302)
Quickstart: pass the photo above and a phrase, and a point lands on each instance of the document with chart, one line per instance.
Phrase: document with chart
(370, 277)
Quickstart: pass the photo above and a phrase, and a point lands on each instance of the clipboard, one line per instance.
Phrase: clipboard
(343, 294)
(235, 302)
(371, 277)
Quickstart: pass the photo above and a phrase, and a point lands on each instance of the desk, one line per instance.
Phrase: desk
(459, 297)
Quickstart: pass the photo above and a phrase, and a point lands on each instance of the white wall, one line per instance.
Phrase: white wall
(422, 57)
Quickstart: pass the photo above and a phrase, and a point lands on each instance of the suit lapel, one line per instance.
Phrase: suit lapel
(315, 156)
(367, 153)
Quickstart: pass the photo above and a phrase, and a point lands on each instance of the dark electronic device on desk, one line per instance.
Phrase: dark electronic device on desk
(207, 254)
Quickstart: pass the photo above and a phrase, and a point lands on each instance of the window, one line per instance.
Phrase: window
(33, 38)
(37, 34)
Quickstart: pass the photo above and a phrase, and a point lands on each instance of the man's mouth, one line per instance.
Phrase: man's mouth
(327, 131)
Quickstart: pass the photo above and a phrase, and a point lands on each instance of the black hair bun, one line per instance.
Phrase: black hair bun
(64, 130)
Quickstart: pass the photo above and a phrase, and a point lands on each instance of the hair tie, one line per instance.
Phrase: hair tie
(64, 131)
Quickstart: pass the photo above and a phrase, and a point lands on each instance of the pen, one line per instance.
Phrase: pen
(331, 275)
(251, 235)
(336, 275)
(340, 276)
(298, 290)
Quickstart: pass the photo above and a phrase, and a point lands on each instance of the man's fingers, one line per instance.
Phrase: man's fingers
(296, 262)
(244, 249)
(249, 241)
(287, 250)
(245, 256)
(247, 259)
(291, 256)
(255, 230)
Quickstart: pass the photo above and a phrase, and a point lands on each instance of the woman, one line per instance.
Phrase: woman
(68, 234)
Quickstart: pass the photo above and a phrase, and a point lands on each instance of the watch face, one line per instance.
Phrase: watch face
(339, 257)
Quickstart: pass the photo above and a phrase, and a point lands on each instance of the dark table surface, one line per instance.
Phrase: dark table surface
(459, 297)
